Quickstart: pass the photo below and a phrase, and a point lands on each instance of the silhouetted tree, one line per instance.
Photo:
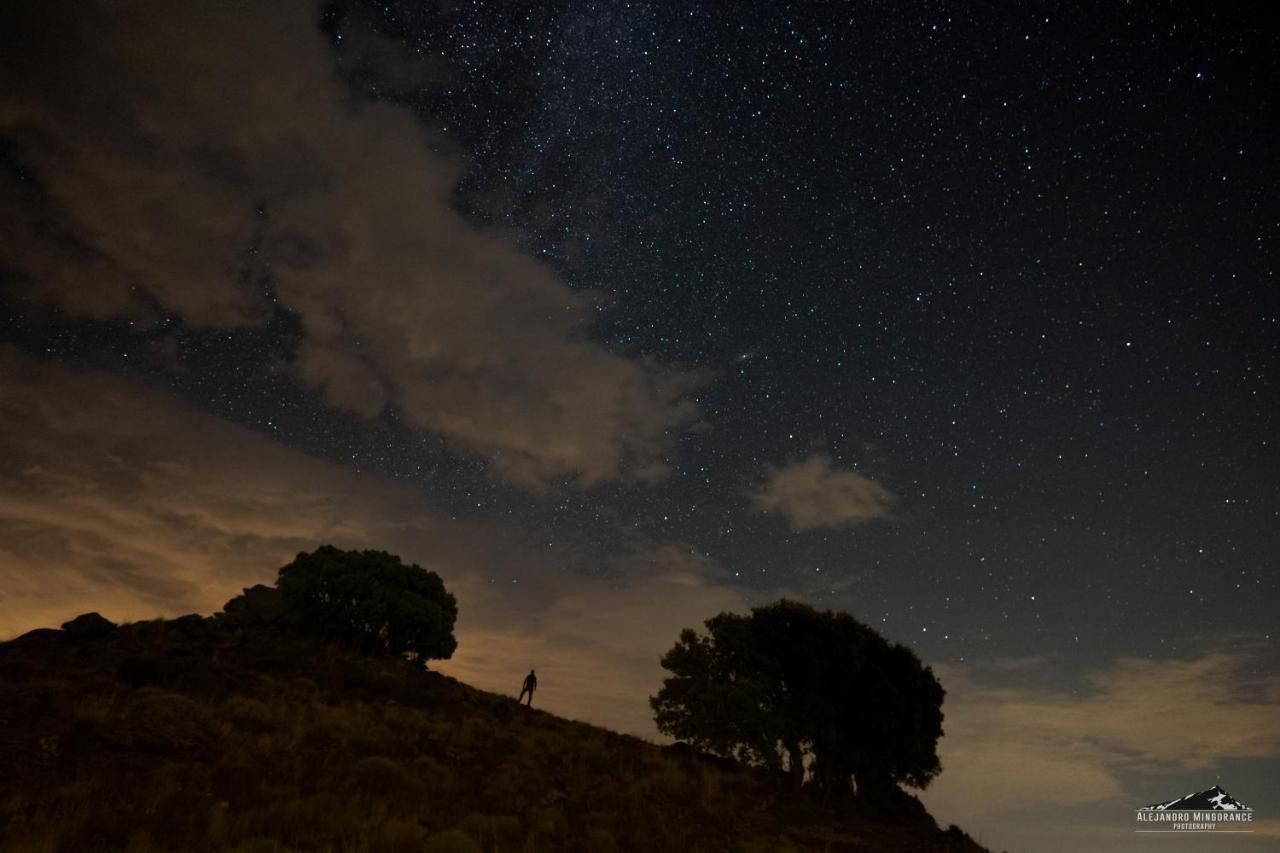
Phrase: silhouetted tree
(790, 682)
(371, 600)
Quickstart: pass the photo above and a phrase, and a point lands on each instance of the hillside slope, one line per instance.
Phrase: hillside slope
(233, 733)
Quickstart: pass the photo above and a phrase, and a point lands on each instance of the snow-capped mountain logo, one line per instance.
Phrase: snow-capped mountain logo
(1213, 798)
(1210, 810)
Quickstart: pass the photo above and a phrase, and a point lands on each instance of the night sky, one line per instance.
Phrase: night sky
(963, 320)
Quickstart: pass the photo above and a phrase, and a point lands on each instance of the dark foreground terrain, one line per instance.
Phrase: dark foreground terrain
(235, 733)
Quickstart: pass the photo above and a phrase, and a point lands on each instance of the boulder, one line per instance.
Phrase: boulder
(190, 623)
(38, 637)
(258, 605)
(88, 626)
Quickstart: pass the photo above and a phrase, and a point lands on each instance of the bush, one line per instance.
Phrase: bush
(436, 776)
(451, 841)
(380, 777)
(401, 836)
(372, 601)
(493, 832)
(162, 723)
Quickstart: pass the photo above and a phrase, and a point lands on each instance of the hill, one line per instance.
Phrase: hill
(236, 732)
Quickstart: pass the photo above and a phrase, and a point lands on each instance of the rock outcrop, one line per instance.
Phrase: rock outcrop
(88, 626)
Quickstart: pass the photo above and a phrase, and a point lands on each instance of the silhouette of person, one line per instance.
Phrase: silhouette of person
(530, 685)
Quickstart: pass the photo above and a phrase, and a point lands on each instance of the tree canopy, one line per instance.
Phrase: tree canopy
(371, 600)
(792, 684)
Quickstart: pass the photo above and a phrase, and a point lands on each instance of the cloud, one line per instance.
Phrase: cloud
(1007, 746)
(203, 161)
(120, 499)
(811, 494)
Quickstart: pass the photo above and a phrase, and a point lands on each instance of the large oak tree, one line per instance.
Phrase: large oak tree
(792, 685)
(373, 601)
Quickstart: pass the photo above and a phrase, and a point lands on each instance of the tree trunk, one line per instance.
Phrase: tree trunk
(875, 788)
(832, 777)
(795, 765)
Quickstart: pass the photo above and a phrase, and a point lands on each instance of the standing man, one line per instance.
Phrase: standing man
(530, 685)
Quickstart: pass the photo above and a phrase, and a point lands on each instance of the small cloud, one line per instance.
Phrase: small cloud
(812, 494)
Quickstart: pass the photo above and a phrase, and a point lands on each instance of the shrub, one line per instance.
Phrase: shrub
(436, 776)
(451, 841)
(163, 723)
(249, 714)
(493, 832)
(382, 778)
(401, 836)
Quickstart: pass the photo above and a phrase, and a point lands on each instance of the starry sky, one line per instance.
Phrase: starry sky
(961, 319)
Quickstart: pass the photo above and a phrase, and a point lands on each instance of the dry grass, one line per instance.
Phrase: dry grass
(156, 740)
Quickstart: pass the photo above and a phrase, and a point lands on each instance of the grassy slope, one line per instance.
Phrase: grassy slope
(195, 734)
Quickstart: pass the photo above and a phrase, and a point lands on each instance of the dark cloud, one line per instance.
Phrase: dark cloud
(181, 160)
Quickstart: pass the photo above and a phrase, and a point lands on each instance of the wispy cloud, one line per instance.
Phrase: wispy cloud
(1007, 746)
